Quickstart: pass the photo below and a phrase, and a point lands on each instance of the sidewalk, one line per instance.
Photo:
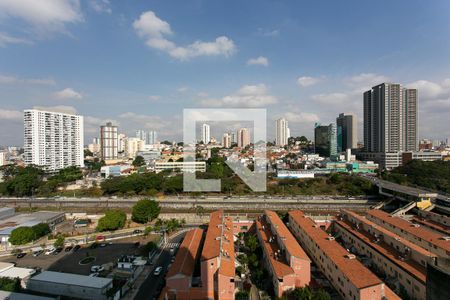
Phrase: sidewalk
(137, 284)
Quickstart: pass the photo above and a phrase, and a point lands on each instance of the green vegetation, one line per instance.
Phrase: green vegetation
(169, 225)
(32, 181)
(23, 235)
(150, 246)
(59, 242)
(113, 220)
(10, 284)
(139, 161)
(306, 293)
(433, 175)
(145, 211)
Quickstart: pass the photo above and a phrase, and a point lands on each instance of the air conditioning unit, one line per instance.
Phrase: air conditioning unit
(350, 256)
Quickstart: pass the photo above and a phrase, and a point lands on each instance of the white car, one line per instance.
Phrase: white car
(97, 269)
(50, 250)
(157, 271)
(94, 274)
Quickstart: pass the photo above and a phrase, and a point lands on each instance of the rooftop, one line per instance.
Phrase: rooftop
(72, 279)
(219, 242)
(420, 232)
(21, 296)
(353, 269)
(289, 240)
(185, 260)
(410, 266)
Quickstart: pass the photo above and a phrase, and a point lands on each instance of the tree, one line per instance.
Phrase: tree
(10, 284)
(21, 235)
(139, 161)
(59, 241)
(251, 243)
(41, 229)
(88, 152)
(113, 220)
(145, 211)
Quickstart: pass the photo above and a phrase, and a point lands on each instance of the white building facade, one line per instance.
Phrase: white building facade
(282, 132)
(53, 140)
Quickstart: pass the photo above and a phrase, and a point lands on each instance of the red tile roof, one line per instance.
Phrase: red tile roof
(289, 240)
(189, 249)
(420, 232)
(219, 242)
(353, 269)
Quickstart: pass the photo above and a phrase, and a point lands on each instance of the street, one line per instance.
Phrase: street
(152, 285)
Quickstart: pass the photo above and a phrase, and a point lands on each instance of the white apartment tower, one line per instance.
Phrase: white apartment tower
(109, 142)
(53, 140)
(282, 132)
(206, 134)
(226, 140)
(390, 119)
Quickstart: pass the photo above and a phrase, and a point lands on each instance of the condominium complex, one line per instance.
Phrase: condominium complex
(226, 140)
(53, 140)
(209, 275)
(390, 118)
(346, 132)
(243, 137)
(206, 134)
(109, 141)
(148, 137)
(282, 132)
(325, 140)
(396, 257)
(288, 264)
(348, 275)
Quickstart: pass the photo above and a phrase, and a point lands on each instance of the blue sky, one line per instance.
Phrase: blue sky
(139, 63)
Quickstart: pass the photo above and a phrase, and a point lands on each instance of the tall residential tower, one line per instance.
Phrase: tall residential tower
(109, 141)
(282, 132)
(53, 140)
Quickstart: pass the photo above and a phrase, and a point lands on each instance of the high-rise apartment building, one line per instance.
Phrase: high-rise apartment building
(206, 134)
(3, 158)
(346, 132)
(226, 140)
(133, 146)
(109, 141)
(325, 140)
(148, 137)
(243, 137)
(390, 119)
(282, 132)
(53, 140)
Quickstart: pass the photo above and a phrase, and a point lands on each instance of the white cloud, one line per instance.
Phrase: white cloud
(58, 108)
(302, 117)
(44, 15)
(155, 31)
(331, 98)
(367, 80)
(101, 6)
(6, 39)
(8, 79)
(268, 33)
(427, 88)
(183, 89)
(246, 96)
(67, 93)
(154, 98)
(305, 81)
(11, 115)
(260, 60)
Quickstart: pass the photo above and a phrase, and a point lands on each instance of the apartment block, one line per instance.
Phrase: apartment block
(288, 264)
(402, 262)
(180, 280)
(351, 279)
(428, 239)
(218, 259)
(53, 140)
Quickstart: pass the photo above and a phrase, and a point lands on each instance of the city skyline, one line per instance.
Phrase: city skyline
(278, 59)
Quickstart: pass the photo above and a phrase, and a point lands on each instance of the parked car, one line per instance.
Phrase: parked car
(68, 249)
(50, 250)
(94, 274)
(97, 269)
(103, 245)
(20, 255)
(76, 248)
(157, 271)
(137, 231)
(58, 250)
(100, 238)
(93, 245)
(37, 253)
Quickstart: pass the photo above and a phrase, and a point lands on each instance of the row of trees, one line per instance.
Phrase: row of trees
(144, 211)
(24, 234)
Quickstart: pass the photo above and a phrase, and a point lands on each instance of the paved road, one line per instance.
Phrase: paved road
(153, 284)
